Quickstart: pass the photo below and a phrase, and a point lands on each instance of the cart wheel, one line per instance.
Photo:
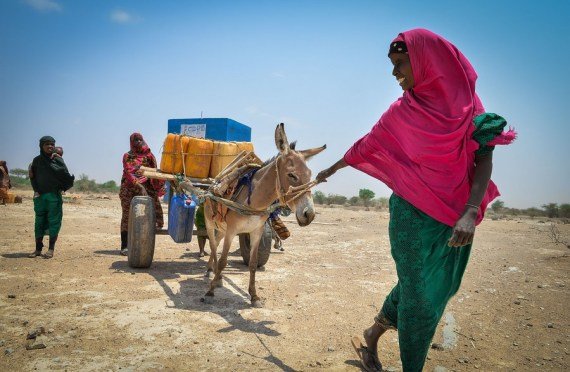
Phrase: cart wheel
(142, 224)
(264, 246)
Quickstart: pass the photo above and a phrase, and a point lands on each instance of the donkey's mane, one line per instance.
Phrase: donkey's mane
(269, 161)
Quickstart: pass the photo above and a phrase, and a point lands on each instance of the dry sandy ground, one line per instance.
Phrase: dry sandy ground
(98, 314)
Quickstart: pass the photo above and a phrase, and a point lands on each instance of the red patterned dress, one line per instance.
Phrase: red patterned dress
(131, 181)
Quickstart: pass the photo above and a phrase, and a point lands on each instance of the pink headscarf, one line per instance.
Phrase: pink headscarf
(137, 157)
(422, 147)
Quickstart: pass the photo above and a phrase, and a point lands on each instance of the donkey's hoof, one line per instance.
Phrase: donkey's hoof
(208, 298)
(257, 304)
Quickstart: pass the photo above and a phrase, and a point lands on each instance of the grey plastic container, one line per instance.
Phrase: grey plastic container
(142, 222)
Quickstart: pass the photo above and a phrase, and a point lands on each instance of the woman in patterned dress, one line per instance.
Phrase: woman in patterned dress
(133, 183)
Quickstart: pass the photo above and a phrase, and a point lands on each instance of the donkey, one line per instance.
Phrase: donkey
(270, 183)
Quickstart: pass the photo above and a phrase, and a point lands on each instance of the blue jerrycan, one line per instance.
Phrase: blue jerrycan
(181, 218)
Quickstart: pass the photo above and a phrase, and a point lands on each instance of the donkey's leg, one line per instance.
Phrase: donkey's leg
(254, 238)
(217, 282)
(214, 237)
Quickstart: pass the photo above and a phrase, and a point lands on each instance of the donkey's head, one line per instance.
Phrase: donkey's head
(292, 172)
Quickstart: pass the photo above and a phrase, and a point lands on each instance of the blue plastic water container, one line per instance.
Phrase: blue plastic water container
(219, 129)
(181, 218)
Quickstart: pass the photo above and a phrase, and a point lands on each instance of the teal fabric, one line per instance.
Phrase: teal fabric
(429, 274)
(49, 214)
(200, 220)
(487, 127)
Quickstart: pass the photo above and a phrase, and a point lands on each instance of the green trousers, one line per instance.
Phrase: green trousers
(49, 213)
(429, 274)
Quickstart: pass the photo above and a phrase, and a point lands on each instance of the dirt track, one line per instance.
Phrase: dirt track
(99, 314)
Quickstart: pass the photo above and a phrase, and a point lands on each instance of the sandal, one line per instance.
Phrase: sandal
(35, 254)
(49, 253)
(362, 352)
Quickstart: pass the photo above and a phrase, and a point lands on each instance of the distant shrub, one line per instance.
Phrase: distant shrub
(564, 210)
(84, 184)
(366, 195)
(336, 199)
(19, 178)
(319, 197)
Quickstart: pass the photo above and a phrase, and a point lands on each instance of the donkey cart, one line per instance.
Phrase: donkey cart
(142, 230)
(240, 201)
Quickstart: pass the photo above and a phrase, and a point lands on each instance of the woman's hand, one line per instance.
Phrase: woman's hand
(142, 189)
(324, 174)
(464, 228)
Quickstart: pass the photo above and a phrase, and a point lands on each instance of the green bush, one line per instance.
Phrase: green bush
(20, 180)
(84, 184)
(366, 195)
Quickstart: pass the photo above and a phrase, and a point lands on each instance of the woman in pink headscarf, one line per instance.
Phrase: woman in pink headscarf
(433, 148)
(133, 183)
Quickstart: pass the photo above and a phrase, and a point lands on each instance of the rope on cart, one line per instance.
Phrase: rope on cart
(202, 195)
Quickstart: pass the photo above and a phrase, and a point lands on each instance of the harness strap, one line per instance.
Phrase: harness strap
(292, 194)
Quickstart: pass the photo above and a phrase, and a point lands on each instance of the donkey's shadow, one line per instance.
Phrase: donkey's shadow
(227, 302)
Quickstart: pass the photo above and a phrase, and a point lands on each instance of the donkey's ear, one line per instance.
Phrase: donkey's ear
(292, 145)
(281, 139)
(312, 152)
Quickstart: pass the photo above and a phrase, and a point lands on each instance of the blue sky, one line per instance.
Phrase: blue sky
(89, 73)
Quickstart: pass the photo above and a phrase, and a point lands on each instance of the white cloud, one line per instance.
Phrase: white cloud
(44, 5)
(121, 16)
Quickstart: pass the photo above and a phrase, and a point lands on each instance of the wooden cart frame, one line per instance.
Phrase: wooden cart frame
(142, 255)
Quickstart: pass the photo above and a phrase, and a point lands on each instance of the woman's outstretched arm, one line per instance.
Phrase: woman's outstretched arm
(324, 174)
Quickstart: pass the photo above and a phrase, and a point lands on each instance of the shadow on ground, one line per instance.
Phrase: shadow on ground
(16, 255)
(109, 252)
(226, 302)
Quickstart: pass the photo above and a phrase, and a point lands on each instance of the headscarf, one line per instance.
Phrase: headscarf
(422, 146)
(43, 140)
(142, 150)
(137, 157)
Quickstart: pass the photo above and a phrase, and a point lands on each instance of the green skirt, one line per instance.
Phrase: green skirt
(49, 213)
(429, 274)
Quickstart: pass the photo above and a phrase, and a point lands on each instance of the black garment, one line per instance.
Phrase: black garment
(40, 243)
(124, 239)
(52, 240)
(50, 175)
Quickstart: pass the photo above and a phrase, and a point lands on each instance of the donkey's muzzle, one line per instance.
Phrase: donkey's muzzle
(306, 216)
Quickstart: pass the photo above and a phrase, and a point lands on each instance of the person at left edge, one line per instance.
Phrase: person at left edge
(4, 182)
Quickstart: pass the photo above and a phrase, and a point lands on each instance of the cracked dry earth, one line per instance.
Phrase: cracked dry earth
(99, 314)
